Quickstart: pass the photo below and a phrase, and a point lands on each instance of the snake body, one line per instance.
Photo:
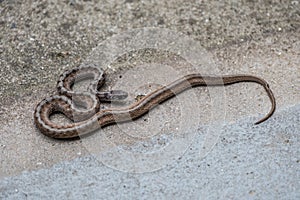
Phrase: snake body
(92, 118)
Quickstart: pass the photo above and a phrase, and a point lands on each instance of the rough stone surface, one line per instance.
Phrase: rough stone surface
(40, 39)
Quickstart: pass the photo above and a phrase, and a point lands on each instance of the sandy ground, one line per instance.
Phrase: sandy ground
(39, 40)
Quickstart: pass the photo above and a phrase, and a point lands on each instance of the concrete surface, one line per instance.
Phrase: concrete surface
(268, 168)
(40, 39)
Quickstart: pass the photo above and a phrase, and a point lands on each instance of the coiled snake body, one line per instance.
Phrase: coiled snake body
(91, 118)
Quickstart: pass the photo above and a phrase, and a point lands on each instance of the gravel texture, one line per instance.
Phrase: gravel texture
(40, 39)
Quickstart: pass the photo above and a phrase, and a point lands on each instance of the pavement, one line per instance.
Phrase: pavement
(212, 153)
(246, 163)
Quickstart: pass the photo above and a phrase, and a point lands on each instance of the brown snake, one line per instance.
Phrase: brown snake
(91, 118)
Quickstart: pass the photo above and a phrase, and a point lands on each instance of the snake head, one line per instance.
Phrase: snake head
(113, 95)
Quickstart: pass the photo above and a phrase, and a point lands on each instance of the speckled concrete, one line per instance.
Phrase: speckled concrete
(40, 39)
(268, 168)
